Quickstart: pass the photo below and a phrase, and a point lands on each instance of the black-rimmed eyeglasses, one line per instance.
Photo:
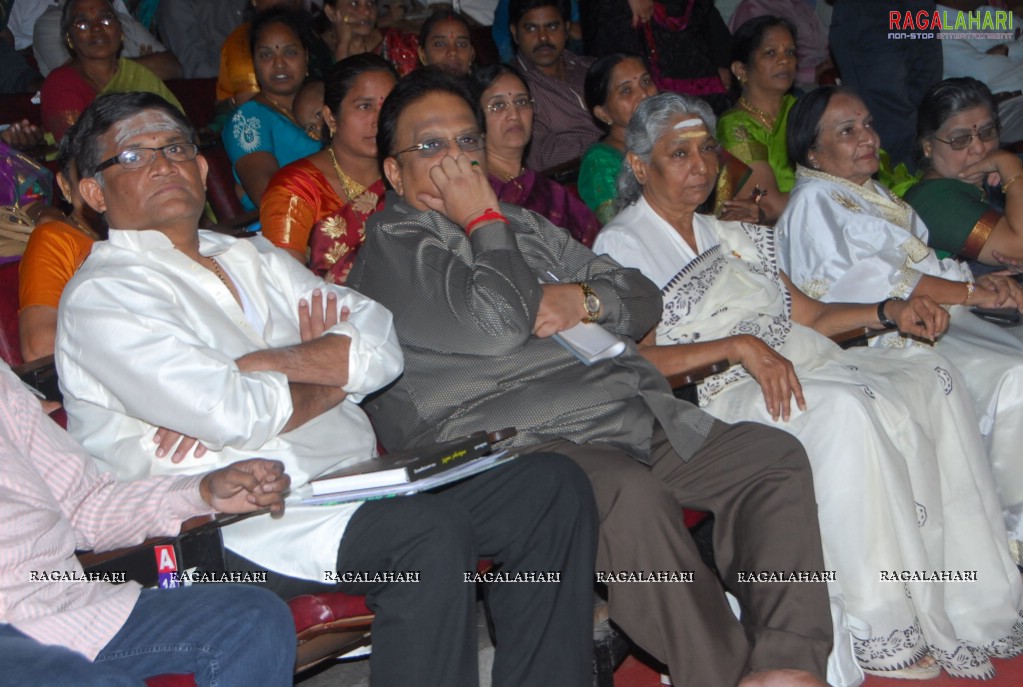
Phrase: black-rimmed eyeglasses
(137, 158)
(432, 147)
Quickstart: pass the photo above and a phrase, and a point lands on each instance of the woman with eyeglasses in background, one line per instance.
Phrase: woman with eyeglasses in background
(92, 33)
(971, 194)
(508, 113)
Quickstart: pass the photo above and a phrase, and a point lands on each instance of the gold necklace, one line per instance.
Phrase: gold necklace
(220, 274)
(367, 200)
(277, 106)
(88, 231)
(766, 118)
(509, 177)
(92, 80)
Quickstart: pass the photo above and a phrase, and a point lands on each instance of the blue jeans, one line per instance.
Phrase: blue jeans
(226, 635)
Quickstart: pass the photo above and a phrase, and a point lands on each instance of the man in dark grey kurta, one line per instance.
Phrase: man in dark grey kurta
(474, 323)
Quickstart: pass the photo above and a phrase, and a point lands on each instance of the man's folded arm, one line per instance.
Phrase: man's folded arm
(159, 371)
(374, 354)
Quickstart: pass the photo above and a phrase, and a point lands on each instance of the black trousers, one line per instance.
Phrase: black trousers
(535, 515)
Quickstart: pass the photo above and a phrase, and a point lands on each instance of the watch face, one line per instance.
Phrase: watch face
(592, 303)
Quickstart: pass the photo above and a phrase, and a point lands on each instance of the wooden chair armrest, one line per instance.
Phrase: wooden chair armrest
(41, 374)
(697, 375)
(90, 559)
(857, 337)
(566, 173)
(236, 226)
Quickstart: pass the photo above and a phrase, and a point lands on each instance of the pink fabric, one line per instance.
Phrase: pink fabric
(53, 500)
(673, 23)
(702, 86)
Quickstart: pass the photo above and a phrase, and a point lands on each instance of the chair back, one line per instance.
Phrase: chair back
(220, 186)
(10, 345)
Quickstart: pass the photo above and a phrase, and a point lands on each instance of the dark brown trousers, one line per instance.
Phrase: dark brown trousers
(756, 481)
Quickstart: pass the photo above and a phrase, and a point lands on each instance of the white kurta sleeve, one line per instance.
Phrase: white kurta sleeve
(374, 357)
(173, 378)
(835, 254)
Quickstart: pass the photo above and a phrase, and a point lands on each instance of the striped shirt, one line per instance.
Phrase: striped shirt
(54, 500)
(563, 129)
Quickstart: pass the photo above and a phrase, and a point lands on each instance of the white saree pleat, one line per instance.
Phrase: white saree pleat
(839, 242)
(902, 486)
(991, 360)
(900, 471)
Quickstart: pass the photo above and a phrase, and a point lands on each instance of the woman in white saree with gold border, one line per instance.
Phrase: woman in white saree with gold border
(901, 478)
(844, 237)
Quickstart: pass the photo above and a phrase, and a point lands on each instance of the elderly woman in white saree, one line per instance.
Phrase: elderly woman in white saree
(844, 237)
(902, 482)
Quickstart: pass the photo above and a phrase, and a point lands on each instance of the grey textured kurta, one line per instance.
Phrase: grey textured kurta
(464, 310)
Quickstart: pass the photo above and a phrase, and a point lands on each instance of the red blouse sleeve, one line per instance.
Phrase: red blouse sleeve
(64, 95)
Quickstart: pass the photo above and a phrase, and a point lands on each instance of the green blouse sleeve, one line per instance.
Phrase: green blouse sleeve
(598, 174)
(740, 139)
(951, 210)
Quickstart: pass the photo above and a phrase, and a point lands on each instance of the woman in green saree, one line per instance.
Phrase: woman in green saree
(764, 62)
(615, 86)
(971, 194)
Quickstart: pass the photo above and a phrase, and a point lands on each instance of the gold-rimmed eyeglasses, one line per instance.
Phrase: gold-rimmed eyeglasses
(502, 106)
(987, 133)
(432, 147)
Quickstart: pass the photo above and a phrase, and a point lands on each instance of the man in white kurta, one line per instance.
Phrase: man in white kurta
(228, 341)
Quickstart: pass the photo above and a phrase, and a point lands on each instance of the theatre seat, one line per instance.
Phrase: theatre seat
(175, 680)
(327, 624)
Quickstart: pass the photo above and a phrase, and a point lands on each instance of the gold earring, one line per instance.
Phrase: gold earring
(67, 41)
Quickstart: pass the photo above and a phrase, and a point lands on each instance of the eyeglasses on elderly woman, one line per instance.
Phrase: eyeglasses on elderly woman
(987, 133)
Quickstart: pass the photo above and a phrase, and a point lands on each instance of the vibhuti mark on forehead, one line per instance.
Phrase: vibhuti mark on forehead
(691, 124)
(146, 122)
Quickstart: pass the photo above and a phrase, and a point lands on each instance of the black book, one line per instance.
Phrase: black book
(402, 467)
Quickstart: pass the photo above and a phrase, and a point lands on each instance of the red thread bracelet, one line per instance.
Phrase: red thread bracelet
(489, 215)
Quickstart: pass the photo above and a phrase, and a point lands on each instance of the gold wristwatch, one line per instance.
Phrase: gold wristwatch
(590, 302)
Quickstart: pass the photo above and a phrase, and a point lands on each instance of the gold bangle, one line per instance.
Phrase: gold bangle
(970, 288)
(1007, 184)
